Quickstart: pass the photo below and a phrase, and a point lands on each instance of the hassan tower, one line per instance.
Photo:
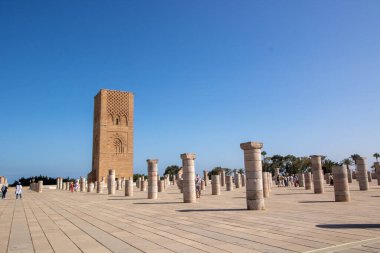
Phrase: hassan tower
(112, 146)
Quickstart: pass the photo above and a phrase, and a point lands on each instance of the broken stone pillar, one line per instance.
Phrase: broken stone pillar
(377, 171)
(161, 186)
(243, 180)
(95, 185)
(301, 179)
(341, 190)
(265, 185)
(215, 184)
(99, 188)
(138, 182)
(82, 184)
(118, 184)
(129, 188)
(91, 187)
(316, 167)
(369, 176)
(276, 173)
(253, 171)
(349, 173)
(362, 175)
(205, 174)
(111, 184)
(203, 186)
(57, 183)
(229, 183)
(327, 178)
(122, 182)
(40, 185)
(222, 176)
(188, 183)
(354, 175)
(180, 184)
(143, 185)
(237, 180)
(152, 178)
(307, 180)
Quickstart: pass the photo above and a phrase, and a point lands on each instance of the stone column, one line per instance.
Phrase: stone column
(253, 171)
(362, 175)
(301, 179)
(222, 178)
(180, 184)
(377, 171)
(111, 184)
(40, 185)
(129, 188)
(161, 186)
(369, 176)
(122, 182)
(118, 184)
(237, 180)
(205, 174)
(143, 185)
(229, 184)
(152, 178)
(99, 188)
(341, 190)
(265, 185)
(203, 186)
(276, 173)
(349, 173)
(57, 183)
(188, 183)
(95, 186)
(307, 180)
(91, 187)
(327, 178)
(354, 175)
(243, 180)
(138, 182)
(82, 184)
(215, 184)
(316, 167)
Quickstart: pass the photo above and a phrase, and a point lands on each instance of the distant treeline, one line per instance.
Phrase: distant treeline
(47, 180)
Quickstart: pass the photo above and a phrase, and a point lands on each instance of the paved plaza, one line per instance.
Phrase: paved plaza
(295, 220)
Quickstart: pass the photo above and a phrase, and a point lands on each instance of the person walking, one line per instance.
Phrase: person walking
(4, 190)
(18, 190)
(198, 183)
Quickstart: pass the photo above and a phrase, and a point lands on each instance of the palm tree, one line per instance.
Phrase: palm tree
(354, 157)
(347, 162)
(376, 155)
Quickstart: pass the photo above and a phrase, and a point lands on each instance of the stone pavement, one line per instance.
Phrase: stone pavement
(295, 220)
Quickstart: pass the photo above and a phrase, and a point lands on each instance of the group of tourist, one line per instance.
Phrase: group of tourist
(287, 180)
(18, 191)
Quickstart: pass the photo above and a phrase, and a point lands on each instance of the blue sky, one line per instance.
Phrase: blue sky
(301, 76)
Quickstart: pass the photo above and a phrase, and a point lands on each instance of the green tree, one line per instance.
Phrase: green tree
(172, 170)
(137, 175)
(327, 165)
(354, 157)
(376, 155)
(347, 161)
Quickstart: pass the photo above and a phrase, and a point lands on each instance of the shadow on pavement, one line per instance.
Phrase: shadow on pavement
(349, 226)
(316, 201)
(157, 203)
(212, 210)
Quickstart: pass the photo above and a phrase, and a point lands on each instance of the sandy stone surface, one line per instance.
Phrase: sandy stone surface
(295, 220)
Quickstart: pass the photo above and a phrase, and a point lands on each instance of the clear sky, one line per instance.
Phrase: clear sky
(301, 76)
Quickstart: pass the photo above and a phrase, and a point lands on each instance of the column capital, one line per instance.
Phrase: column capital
(152, 161)
(316, 156)
(188, 156)
(251, 145)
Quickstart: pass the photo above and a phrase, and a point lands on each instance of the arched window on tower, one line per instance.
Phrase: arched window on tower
(118, 145)
(117, 120)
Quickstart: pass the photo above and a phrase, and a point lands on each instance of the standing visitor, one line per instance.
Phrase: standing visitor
(198, 183)
(18, 190)
(4, 190)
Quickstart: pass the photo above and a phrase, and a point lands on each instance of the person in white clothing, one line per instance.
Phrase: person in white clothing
(19, 190)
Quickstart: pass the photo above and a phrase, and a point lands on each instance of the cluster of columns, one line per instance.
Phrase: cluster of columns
(37, 187)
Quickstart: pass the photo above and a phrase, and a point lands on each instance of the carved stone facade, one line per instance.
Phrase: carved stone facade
(112, 135)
